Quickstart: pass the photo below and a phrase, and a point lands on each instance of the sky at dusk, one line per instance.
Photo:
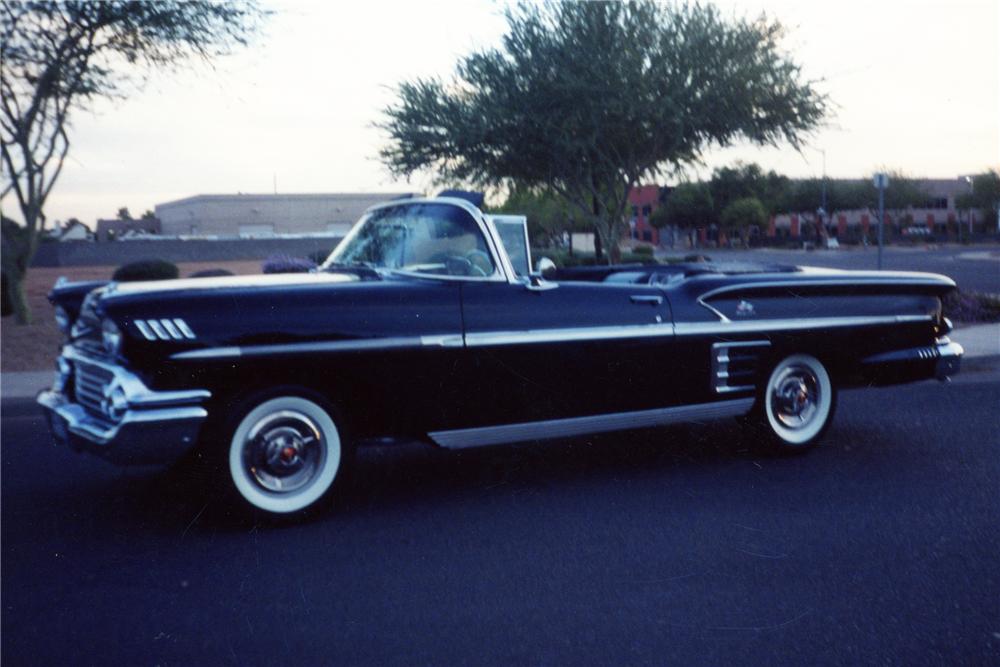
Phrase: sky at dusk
(915, 86)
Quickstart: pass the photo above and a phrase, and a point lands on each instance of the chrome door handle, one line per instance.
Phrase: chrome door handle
(647, 299)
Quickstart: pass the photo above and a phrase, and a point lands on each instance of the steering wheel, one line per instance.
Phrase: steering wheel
(481, 264)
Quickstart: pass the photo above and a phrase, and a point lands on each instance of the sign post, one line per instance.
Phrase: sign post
(881, 182)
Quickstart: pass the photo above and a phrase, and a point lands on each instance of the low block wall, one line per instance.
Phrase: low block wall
(89, 253)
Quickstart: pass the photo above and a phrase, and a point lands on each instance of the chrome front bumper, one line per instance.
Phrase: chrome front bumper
(152, 427)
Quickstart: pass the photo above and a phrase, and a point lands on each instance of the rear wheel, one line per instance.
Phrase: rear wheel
(796, 405)
(285, 454)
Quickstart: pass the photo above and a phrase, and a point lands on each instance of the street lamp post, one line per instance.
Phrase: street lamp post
(972, 192)
(881, 182)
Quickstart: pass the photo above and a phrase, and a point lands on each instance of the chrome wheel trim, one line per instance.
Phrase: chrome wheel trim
(285, 454)
(798, 398)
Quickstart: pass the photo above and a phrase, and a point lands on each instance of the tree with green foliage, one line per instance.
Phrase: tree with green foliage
(689, 205)
(729, 184)
(984, 195)
(742, 215)
(590, 98)
(547, 213)
(58, 56)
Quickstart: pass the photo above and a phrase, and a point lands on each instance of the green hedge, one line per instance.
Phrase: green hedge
(150, 269)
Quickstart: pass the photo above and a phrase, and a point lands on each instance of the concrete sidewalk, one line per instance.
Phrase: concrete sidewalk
(981, 343)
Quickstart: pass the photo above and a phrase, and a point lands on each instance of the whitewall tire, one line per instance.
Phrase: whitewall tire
(798, 402)
(285, 455)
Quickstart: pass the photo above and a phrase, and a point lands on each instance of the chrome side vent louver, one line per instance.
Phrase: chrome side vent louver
(165, 329)
(734, 365)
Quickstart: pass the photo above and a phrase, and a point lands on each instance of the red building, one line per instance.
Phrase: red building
(644, 199)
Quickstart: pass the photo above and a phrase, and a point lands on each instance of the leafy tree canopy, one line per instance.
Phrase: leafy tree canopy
(547, 213)
(984, 193)
(58, 55)
(590, 98)
(743, 213)
(688, 205)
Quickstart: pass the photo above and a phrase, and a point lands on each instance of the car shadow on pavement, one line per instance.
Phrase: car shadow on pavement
(395, 479)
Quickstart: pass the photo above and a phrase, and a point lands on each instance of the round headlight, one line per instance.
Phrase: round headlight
(63, 320)
(115, 402)
(112, 337)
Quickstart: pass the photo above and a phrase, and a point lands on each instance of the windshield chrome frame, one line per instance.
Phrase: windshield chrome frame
(502, 269)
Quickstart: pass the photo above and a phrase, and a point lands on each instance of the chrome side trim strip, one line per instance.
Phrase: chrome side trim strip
(937, 281)
(715, 311)
(797, 324)
(487, 338)
(207, 353)
(561, 428)
(582, 334)
(444, 340)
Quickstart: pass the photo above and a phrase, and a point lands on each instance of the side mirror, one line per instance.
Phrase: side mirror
(545, 265)
(536, 281)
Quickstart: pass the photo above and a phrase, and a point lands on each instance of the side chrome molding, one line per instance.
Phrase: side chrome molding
(797, 324)
(582, 334)
(561, 428)
(488, 338)
(355, 345)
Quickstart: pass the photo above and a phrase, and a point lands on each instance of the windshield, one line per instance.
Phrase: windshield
(437, 239)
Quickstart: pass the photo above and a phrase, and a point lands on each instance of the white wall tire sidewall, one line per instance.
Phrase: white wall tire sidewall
(789, 437)
(248, 488)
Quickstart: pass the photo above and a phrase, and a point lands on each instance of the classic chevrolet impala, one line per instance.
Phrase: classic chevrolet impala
(426, 323)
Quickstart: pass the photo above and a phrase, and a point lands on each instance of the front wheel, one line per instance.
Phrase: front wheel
(285, 454)
(796, 405)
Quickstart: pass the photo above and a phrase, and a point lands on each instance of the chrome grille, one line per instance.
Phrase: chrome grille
(89, 383)
(734, 365)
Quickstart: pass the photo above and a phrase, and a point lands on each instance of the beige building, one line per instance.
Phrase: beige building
(251, 215)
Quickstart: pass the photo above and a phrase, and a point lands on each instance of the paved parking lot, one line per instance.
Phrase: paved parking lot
(676, 546)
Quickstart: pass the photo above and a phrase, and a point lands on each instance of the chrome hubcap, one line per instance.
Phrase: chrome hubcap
(795, 396)
(284, 451)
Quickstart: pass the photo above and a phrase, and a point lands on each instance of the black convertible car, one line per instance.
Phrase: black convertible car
(427, 323)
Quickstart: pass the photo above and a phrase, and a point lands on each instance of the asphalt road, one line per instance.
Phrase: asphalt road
(670, 547)
(969, 266)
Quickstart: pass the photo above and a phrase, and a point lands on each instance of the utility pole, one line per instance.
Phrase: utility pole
(881, 181)
(972, 192)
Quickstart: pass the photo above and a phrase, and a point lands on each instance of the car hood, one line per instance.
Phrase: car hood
(132, 289)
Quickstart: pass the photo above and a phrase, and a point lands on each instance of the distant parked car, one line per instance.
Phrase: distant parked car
(420, 327)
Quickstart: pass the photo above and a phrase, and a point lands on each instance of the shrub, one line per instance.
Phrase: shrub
(971, 307)
(287, 264)
(149, 269)
(211, 273)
